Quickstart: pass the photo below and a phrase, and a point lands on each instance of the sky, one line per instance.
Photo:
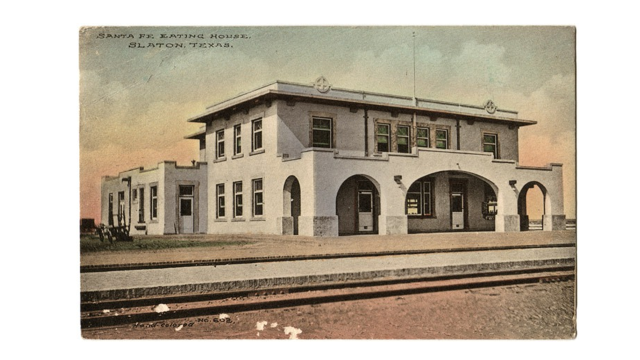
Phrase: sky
(137, 93)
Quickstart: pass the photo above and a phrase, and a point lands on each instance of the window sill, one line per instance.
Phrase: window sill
(220, 159)
(220, 220)
(257, 219)
(421, 217)
(238, 220)
(237, 156)
(256, 152)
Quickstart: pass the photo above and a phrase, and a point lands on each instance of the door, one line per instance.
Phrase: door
(365, 211)
(458, 207)
(185, 202)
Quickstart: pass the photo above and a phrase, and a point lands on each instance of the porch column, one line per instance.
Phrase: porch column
(507, 218)
(392, 219)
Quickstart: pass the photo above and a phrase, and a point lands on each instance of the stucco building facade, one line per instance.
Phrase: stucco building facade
(315, 160)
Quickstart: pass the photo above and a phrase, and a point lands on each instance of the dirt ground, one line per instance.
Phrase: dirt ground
(530, 311)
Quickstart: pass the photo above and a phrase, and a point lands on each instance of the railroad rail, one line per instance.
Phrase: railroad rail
(125, 312)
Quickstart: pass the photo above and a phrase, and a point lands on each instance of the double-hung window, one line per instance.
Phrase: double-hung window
(110, 220)
(154, 202)
(258, 199)
(237, 140)
(422, 137)
(220, 201)
(382, 137)
(490, 144)
(219, 144)
(402, 139)
(442, 138)
(322, 132)
(256, 135)
(141, 206)
(237, 199)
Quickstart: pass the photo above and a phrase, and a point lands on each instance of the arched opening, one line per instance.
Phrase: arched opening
(291, 205)
(532, 206)
(451, 201)
(358, 206)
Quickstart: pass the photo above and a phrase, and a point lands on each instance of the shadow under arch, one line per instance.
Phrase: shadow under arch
(525, 224)
(292, 205)
(358, 205)
(451, 200)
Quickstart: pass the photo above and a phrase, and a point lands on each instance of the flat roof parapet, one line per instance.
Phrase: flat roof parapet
(359, 98)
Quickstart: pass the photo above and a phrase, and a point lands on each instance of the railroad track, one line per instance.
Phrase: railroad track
(128, 312)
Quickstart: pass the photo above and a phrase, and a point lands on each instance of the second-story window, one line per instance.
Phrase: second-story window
(382, 137)
(490, 144)
(442, 138)
(219, 144)
(256, 130)
(402, 138)
(322, 132)
(422, 137)
(237, 199)
(237, 140)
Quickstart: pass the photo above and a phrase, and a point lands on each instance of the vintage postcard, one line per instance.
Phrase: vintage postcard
(328, 182)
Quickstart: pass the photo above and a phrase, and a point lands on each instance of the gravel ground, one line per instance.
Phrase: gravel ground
(531, 311)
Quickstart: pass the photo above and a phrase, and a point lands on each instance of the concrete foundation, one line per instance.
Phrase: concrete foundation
(285, 225)
(506, 223)
(318, 225)
(394, 225)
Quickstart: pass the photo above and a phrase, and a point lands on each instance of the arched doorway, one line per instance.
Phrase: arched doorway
(451, 201)
(358, 206)
(292, 204)
(532, 206)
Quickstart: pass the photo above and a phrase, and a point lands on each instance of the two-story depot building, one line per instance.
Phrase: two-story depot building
(320, 161)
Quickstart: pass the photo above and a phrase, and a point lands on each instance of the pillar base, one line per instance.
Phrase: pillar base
(393, 225)
(285, 225)
(317, 225)
(554, 222)
(506, 223)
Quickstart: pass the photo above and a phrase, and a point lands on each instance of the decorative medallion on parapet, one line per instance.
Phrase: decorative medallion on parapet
(490, 107)
(322, 84)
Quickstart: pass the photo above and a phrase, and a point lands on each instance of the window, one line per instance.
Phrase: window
(402, 138)
(135, 195)
(141, 207)
(419, 199)
(422, 137)
(322, 132)
(442, 138)
(256, 130)
(490, 144)
(237, 199)
(121, 219)
(237, 140)
(186, 199)
(185, 190)
(110, 220)
(219, 144)
(382, 137)
(154, 202)
(258, 200)
(220, 200)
